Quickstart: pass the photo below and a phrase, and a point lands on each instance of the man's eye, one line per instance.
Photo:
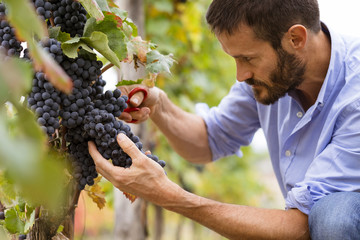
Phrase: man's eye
(247, 59)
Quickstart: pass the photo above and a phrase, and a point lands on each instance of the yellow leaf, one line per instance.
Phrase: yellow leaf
(129, 196)
(96, 194)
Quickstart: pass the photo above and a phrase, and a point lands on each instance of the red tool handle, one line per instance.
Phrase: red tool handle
(131, 93)
(135, 90)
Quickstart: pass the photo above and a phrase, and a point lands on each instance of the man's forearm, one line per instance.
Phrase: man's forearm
(236, 221)
(186, 132)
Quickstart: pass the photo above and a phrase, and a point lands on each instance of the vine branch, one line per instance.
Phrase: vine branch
(107, 67)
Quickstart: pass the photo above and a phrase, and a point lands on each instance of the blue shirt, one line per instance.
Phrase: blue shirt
(313, 153)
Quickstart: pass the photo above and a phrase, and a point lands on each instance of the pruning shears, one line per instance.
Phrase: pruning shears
(131, 93)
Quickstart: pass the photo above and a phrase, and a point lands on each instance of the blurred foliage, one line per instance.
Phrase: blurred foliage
(203, 73)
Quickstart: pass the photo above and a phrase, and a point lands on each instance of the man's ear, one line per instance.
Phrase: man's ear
(295, 38)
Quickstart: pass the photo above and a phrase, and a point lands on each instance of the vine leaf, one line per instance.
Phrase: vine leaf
(139, 48)
(103, 4)
(13, 222)
(93, 9)
(96, 194)
(7, 190)
(111, 3)
(55, 32)
(129, 82)
(129, 196)
(15, 78)
(30, 215)
(115, 35)
(70, 48)
(156, 62)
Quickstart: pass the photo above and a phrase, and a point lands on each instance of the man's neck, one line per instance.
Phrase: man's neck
(318, 59)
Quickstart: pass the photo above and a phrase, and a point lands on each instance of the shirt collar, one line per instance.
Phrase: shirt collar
(337, 57)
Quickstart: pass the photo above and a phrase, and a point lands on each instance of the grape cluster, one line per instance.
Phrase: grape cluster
(70, 15)
(44, 99)
(9, 44)
(43, 8)
(87, 113)
(103, 127)
(83, 73)
(83, 165)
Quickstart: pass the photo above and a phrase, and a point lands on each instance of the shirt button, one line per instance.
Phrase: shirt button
(299, 114)
(288, 153)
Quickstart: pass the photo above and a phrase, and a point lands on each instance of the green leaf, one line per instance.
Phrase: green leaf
(130, 29)
(93, 9)
(15, 78)
(22, 16)
(129, 82)
(3, 235)
(30, 220)
(103, 5)
(115, 35)
(55, 32)
(99, 41)
(60, 229)
(138, 47)
(70, 48)
(157, 63)
(37, 174)
(119, 12)
(7, 190)
(12, 221)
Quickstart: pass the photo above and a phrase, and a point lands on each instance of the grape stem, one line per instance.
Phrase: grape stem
(52, 21)
(74, 202)
(63, 141)
(107, 67)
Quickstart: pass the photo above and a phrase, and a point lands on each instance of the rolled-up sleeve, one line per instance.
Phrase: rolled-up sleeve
(232, 123)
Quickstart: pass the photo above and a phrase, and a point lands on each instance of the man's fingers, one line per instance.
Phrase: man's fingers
(103, 166)
(141, 115)
(137, 99)
(125, 117)
(128, 146)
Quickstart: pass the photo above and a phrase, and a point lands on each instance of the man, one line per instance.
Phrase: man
(298, 81)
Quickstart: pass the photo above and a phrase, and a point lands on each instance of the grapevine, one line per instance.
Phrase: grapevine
(67, 96)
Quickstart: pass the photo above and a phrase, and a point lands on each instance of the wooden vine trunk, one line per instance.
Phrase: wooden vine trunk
(47, 223)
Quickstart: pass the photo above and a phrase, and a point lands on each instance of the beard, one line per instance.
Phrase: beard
(288, 75)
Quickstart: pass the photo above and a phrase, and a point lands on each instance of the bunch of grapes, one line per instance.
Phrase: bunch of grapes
(88, 113)
(45, 101)
(70, 15)
(43, 8)
(9, 44)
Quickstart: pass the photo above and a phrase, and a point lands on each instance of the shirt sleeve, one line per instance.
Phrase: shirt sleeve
(232, 123)
(336, 168)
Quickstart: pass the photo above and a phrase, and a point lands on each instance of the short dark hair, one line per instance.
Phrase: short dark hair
(269, 19)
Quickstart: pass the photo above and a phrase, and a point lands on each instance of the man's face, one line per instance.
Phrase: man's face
(271, 73)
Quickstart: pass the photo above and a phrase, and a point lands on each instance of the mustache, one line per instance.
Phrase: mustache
(252, 81)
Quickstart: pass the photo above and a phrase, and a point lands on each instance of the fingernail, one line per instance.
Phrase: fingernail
(135, 100)
(121, 136)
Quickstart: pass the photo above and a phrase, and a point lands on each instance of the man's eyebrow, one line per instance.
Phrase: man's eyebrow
(243, 56)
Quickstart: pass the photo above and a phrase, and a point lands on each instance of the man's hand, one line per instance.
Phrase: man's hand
(145, 178)
(146, 106)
